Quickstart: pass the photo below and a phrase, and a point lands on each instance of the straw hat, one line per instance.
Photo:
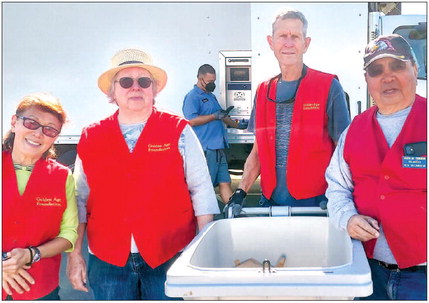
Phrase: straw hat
(131, 58)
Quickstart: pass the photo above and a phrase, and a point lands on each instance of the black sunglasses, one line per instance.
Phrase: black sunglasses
(375, 70)
(278, 77)
(127, 82)
(33, 125)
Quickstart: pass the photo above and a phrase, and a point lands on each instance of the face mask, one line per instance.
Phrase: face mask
(210, 87)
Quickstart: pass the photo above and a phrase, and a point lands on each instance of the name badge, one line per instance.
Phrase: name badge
(414, 162)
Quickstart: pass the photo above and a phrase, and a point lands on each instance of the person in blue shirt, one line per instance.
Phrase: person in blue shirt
(207, 118)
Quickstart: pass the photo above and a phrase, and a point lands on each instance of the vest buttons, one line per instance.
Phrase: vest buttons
(382, 197)
(386, 177)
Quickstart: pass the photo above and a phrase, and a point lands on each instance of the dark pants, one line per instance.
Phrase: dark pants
(54, 295)
(397, 284)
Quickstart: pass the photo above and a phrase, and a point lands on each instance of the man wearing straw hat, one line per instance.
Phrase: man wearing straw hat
(143, 187)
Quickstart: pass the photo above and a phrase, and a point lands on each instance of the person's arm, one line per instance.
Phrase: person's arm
(197, 178)
(76, 265)
(200, 120)
(69, 222)
(203, 221)
(342, 211)
(252, 169)
(15, 273)
(191, 110)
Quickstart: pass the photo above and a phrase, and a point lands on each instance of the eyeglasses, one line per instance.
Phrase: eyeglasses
(33, 125)
(127, 82)
(375, 70)
(278, 77)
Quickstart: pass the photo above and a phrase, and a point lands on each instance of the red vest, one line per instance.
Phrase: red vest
(34, 218)
(143, 193)
(310, 147)
(395, 196)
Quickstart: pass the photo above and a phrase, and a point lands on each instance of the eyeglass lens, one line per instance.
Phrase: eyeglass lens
(127, 82)
(375, 70)
(33, 125)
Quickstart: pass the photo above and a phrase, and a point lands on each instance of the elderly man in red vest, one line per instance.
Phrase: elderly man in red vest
(143, 187)
(297, 118)
(377, 176)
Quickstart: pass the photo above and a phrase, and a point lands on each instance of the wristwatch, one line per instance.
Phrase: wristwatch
(36, 255)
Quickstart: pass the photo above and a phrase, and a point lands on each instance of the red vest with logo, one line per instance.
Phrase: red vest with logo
(34, 218)
(385, 190)
(143, 193)
(310, 147)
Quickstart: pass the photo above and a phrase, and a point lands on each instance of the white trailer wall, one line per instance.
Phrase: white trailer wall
(62, 48)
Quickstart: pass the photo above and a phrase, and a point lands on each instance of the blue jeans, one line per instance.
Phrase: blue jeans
(397, 284)
(135, 281)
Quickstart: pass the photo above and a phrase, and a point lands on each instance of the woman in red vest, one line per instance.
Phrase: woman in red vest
(143, 187)
(39, 204)
(378, 178)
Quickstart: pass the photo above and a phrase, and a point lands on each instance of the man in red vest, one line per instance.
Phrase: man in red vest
(143, 187)
(377, 176)
(297, 118)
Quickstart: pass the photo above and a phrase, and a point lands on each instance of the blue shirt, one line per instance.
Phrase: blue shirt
(197, 102)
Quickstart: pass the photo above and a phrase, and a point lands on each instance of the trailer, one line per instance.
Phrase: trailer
(63, 47)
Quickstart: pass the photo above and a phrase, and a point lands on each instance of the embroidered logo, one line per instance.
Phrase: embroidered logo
(382, 45)
(44, 201)
(311, 106)
(158, 147)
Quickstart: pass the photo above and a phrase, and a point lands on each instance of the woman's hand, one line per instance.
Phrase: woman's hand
(18, 280)
(17, 258)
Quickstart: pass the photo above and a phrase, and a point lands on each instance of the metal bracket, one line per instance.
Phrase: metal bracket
(266, 263)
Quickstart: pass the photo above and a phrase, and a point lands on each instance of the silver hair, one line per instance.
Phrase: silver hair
(290, 13)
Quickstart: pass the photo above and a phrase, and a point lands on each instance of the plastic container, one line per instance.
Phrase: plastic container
(322, 262)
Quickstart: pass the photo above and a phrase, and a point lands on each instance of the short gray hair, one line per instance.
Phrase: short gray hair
(290, 13)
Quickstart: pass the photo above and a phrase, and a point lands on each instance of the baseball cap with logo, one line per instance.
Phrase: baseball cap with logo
(393, 46)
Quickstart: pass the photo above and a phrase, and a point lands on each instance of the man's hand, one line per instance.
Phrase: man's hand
(76, 271)
(220, 114)
(236, 202)
(242, 125)
(363, 228)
